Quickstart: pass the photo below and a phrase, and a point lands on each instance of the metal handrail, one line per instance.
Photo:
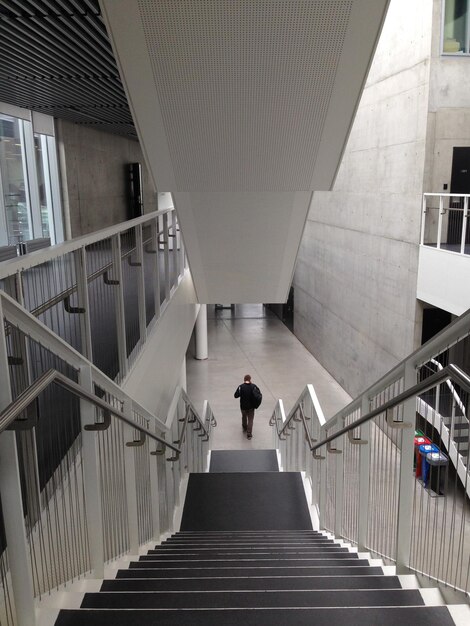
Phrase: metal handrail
(15, 408)
(450, 371)
(18, 264)
(213, 422)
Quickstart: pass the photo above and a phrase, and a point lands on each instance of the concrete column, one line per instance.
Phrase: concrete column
(201, 333)
(183, 379)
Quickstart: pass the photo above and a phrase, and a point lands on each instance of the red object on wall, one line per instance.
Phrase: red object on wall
(419, 441)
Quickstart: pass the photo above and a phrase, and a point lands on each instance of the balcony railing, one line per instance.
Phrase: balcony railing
(446, 222)
(103, 292)
(363, 463)
(87, 474)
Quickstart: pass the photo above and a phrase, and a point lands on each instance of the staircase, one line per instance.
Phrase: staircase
(222, 568)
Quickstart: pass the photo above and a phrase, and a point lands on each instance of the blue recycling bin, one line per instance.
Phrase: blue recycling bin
(437, 462)
(424, 450)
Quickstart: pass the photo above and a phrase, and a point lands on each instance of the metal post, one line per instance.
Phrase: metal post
(439, 222)
(423, 223)
(12, 505)
(364, 472)
(155, 249)
(140, 283)
(464, 225)
(131, 483)
(83, 302)
(166, 254)
(91, 478)
(322, 466)
(406, 482)
(339, 492)
(155, 497)
(119, 304)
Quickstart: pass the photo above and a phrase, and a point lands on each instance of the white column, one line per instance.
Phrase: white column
(201, 333)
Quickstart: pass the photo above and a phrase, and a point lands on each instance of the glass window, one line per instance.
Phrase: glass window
(44, 184)
(30, 206)
(17, 214)
(456, 27)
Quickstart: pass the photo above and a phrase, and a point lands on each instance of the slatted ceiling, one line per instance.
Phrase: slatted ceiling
(253, 98)
(56, 58)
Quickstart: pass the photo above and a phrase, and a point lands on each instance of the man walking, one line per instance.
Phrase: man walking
(250, 399)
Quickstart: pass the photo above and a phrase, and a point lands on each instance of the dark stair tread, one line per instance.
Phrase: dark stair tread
(244, 461)
(353, 561)
(252, 599)
(252, 584)
(246, 501)
(201, 552)
(141, 570)
(231, 558)
(390, 616)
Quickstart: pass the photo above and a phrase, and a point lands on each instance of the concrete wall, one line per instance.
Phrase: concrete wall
(94, 182)
(355, 282)
(449, 106)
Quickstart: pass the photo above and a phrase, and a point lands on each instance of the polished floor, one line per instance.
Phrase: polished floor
(249, 339)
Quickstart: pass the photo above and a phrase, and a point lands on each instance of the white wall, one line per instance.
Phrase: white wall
(158, 370)
(355, 282)
(443, 279)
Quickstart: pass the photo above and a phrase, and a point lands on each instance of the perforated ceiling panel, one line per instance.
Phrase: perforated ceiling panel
(244, 87)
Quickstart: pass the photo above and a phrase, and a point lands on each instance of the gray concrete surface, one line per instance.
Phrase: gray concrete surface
(248, 339)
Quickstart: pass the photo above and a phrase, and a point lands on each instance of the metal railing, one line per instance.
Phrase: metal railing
(365, 473)
(87, 474)
(445, 223)
(103, 292)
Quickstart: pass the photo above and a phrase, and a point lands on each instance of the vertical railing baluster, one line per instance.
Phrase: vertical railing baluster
(131, 482)
(464, 225)
(12, 503)
(339, 482)
(364, 472)
(423, 223)
(439, 223)
(119, 305)
(405, 497)
(154, 494)
(140, 284)
(322, 468)
(91, 478)
(83, 302)
(155, 266)
(166, 254)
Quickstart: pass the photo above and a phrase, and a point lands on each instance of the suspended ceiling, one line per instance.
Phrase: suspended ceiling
(56, 58)
(243, 109)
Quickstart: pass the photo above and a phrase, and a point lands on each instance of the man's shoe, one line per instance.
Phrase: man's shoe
(249, 436)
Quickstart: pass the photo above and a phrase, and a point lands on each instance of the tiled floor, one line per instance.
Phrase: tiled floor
(249, 339)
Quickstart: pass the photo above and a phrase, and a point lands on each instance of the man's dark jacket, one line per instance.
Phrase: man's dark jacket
(245, 393)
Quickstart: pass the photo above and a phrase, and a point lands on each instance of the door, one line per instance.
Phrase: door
(459, 184)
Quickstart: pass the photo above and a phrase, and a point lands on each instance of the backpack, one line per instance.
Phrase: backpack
(257, 396)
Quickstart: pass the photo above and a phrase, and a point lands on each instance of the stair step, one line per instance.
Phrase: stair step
(237, 558)
(385, 616)
(198, 552)
(252, 584)
(247, 542)
(295, 562)
(252, 599)
(246, 501)
(142, 569)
